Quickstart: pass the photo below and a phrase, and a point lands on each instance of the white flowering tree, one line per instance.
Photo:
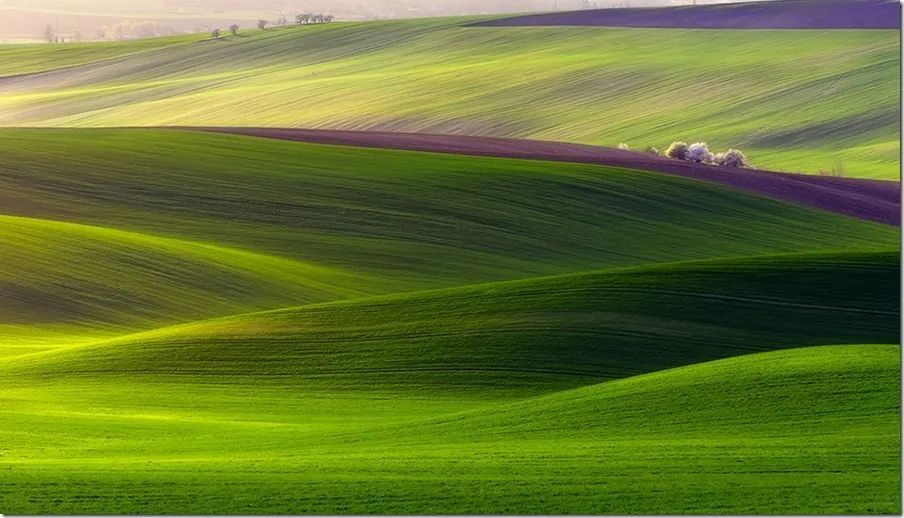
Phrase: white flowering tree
(699, 152)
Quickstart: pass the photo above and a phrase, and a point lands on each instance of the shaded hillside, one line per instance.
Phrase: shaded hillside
(121, 230)
(527, 336)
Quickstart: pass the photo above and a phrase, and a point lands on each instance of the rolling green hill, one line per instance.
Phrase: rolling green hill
(69, 274)
(194, 323)
(20, 59)
(518, 337)
(428, 218)
(813, 430)
(467, 399)
(832, 102)
(112, 231)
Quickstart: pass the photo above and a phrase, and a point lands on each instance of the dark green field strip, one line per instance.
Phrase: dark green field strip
(804, 431)
(418, 219)
(527, 336)
(58, 273)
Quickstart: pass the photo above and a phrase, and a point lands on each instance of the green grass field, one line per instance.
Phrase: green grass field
(199, 323)
(831, 104)
(812, 430)
(98, 217)
(204, 323)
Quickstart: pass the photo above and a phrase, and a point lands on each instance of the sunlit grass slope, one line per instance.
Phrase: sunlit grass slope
(21, 59)
(833, 101)
(803, 431)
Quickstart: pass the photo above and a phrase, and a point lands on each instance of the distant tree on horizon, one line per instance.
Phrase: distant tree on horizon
(215, 33)
(262, 24)
(49, 35)
(234, 29)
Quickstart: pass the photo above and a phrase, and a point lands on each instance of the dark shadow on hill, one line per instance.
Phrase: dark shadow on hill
(859, 124)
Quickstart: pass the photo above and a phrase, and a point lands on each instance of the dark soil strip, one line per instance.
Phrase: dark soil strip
(776, 14)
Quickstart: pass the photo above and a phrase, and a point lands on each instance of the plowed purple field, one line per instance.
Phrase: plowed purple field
(779, 14)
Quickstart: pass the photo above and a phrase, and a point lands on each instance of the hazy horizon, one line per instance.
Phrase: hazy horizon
(27, 20)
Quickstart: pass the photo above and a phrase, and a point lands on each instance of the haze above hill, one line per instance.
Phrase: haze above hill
(26, 20)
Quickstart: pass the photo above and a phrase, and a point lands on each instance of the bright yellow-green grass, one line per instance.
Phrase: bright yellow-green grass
(803, 100)
(804, 431)
(196, 323)
(32, 58)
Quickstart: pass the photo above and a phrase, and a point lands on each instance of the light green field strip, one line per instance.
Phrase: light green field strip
(813, 430)
(833, 102)
(22, 339)
(21, 59)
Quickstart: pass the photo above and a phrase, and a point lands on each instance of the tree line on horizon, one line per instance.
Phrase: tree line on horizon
(282, 21)
(51, 36)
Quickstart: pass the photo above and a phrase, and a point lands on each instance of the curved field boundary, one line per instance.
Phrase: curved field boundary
(775, 14)
(872, 200)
